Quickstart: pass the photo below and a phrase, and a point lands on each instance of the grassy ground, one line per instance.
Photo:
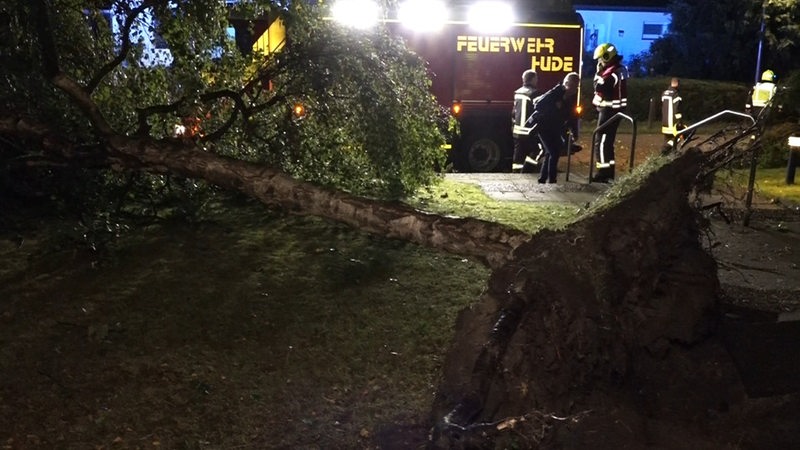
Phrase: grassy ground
(245, 331)
(771, 184)
(466, 200)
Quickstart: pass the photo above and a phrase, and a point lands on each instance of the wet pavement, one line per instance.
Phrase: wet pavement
(575, 188)
(524, 187)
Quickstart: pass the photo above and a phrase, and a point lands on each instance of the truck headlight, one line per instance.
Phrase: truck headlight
(490, 16)
(360, 14)
(422, 15)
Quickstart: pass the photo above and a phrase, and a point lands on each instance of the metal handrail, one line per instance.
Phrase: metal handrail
(753, 158)
(712, 118)
(615, 118)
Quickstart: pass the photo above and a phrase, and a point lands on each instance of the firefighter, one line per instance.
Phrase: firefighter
(526, 145)
(610, 97)
(761, 94)
(671, 117)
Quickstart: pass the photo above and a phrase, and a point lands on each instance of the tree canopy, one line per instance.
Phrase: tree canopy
(86, 71)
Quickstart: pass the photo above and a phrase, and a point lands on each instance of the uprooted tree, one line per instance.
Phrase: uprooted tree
(573, 314)
(564, 312)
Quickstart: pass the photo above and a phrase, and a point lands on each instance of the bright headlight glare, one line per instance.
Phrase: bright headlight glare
(422, 15)
(355, 13)
(490, 16)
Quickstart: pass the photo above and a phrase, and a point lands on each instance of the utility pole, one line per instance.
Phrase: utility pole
(760, 42)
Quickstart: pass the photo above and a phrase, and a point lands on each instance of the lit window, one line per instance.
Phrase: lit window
(652, 31)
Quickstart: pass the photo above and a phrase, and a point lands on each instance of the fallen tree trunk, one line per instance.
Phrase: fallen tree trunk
(490, 242)
(577, 309)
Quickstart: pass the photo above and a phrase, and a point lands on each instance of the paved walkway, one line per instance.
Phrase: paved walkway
(524, 187)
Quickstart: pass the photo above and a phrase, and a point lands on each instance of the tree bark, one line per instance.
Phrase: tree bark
(490, 242)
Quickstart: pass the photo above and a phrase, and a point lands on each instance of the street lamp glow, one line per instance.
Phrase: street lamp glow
(360, 14)
(422, 15)
(490, 16)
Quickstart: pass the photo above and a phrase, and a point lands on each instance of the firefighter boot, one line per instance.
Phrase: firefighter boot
(668, 146)
(604, 175)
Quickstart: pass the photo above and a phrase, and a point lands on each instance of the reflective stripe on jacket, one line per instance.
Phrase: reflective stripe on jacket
(762, 93)
(611, 87)
(670, 111)
(523, 107)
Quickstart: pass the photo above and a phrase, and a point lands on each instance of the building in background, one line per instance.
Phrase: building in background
(630, 25)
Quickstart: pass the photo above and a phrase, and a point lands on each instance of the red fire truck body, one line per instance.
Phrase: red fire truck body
(475, 74)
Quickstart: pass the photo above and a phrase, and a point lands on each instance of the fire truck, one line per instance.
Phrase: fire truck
(475, 72)
(476, 53)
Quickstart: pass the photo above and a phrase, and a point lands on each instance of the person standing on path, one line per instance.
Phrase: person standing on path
(551, 118)
(610, 97)
(526, 145)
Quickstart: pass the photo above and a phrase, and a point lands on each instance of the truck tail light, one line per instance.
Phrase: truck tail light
(298, 110)
(456, 109)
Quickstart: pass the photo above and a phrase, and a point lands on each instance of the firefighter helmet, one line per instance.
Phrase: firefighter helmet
(528, 77)
(768, 75)
(604, 52)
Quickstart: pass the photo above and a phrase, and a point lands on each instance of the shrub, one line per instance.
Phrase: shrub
(775, 148)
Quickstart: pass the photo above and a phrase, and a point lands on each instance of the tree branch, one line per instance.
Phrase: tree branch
(52, 71)
(144, 113)
(57, 151)
(124, 49)
(240, 107)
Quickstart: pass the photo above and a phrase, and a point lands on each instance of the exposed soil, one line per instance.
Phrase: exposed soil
(739, 388)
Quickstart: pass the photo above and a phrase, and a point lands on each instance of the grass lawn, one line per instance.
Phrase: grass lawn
(771, 184)
(246, 330)
(467, 200)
